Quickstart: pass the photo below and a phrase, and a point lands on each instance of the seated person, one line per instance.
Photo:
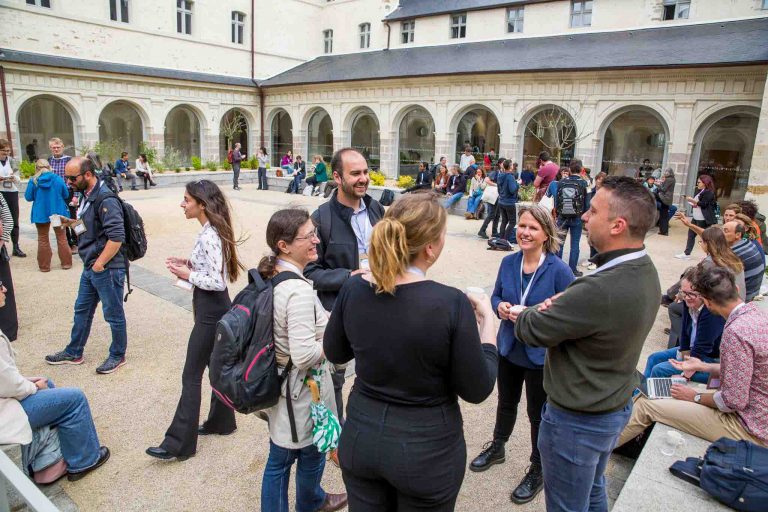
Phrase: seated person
(31, 403)
(300, 166)
(739, 409)
(699, 337)
(123, 171)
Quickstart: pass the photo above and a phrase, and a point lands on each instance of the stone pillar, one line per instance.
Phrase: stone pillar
(87, 133)
(387, 141)
(156, 135)
(508, 143)
(757, 187)
(444, 140)
(588, 140)
(680, 146)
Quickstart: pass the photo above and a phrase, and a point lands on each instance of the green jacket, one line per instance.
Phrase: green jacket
(321, 172)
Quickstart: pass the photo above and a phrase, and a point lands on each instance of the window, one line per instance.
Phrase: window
(765, 4)
(581, 13)
(328, 40)
(184, 16)
(407, 29)
(677, 9)
(238, 26)
(365, 35)
(515, 19)
(459, 26)
(39, 3)
(118, 10)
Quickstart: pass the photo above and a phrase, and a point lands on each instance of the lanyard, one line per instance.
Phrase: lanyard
(85, 203)
(361, 233)
(289, 266)
(621, 259)
(417, 271)
(528, 288)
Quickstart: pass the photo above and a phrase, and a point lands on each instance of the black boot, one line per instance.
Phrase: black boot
(530, 486)
(18, 252)
(493, 453)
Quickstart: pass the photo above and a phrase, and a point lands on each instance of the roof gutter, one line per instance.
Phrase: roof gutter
(5, 107)
(253, 73)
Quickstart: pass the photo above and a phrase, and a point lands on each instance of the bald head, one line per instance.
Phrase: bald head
(79, 173)
(733, 231)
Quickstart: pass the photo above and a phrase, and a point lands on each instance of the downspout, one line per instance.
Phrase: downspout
(253, 73)
(389, 32)
(5, 107)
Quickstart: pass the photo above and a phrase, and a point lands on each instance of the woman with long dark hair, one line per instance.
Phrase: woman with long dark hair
(703, 204)
(213, 261)
(720, 254)
(263, 159)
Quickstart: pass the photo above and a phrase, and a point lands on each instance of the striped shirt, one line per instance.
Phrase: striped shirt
(754, 266)
(58, 164)
(7, 220)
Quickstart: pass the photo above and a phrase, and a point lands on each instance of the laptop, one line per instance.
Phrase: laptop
(657, 388)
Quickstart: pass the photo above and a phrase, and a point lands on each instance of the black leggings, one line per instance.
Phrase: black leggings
(510, 382)
(9, 320)
(692, 235)
(12, 198)
(181, 437)
(507, 220)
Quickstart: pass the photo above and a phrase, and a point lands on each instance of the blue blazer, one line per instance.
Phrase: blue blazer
(553, 277)
(708, 334)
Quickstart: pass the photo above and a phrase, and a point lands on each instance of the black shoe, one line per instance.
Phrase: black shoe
(153, 184)
(202, 431)
(163, 454)
(578, 273)
(19, 253)
(530, 486)
(103, 457)
(482, 235)
(493, 453)
(134, 188)
(667, 331)
(665, 300)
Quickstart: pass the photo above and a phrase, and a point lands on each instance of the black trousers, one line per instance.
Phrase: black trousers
(181, 437)
(511, 378)
(338, 379)
(262, 175)
(675, 312)
(507, 220)
(9, 320)
(236, 175)
(12, 198)
(692, 235)
(663, 219)
(401, 458)
(491, 217)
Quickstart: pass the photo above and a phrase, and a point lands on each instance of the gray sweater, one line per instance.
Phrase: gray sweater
(594, 333)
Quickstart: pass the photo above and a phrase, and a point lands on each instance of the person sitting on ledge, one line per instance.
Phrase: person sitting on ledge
(739, 409)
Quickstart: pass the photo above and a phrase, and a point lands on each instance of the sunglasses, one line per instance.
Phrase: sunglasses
(73, 179)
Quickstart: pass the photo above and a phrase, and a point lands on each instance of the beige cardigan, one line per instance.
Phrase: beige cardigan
(13, 387)
(299, 324)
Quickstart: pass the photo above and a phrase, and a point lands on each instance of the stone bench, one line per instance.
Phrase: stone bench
(651, 487)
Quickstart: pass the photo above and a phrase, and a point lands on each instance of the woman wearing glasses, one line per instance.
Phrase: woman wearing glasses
(48, 194)
(213, 261)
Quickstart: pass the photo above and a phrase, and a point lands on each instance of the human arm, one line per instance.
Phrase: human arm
(208, 275)
(324, 278)
(301, 322)
(337, 347)
(12, 383)
(537, 181)
(31, 191)
(110, 214)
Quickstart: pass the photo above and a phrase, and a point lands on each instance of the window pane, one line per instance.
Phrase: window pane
(463, 31)
(586, 20)
(31, 2)
(113, 10)
(124, 11)
(588, 5)
(45, 3)
(576, 7)
(178, 4)
(188, 17)
(240, 37)
(683, 12)
(178, 22)
(519, 26)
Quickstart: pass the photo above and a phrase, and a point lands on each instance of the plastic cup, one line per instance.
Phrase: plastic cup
(55, 221)
(475, 290)
(671, 442)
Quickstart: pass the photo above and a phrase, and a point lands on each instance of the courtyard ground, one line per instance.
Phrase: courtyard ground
(133, 407)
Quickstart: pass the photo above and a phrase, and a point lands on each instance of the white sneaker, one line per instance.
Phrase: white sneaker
(592, 266)
(683, 256)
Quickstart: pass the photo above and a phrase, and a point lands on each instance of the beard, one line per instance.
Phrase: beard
(349, 190)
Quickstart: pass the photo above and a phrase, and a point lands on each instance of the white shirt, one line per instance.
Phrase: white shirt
(466, 161)
(207, 261)
(6, 170)
(697, 213)
(694, 323)
(362, 227)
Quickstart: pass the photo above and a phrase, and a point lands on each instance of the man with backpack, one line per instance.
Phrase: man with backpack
(100, 236)
(570, 202)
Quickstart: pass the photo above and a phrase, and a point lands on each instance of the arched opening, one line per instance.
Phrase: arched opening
(365, 137)
(634, 144)
(320, 136)
(726, 154)
(233, 129)
(182, 133)
(282, 136)
(42, 118)
(478, 129)
(120, 129)
(550, 129)
(416, 141)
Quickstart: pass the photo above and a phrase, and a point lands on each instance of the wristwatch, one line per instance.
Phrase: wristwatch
(697, 398)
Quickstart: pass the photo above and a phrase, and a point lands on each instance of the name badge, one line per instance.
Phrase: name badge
(7, 184)
(79, 227)
(364, 262)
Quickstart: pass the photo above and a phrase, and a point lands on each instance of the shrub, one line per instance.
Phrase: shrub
(171, 159)
(211, 165)
(378, 178)
(145, 148)
(245, 164)
(226, 165)
(197, 164)
(527, 193)
(26, 169)
(405, 181)
(253, 162)
(177, 170)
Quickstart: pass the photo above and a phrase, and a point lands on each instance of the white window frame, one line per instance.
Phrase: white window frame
(407, 31)
(515, 23)
(681, 6)
(458, 25)
(365, 35)
(184, 16)
(238, 27)
(328, 41)
(39, 3)
(764, 4)
(116, 6)
(577, 17)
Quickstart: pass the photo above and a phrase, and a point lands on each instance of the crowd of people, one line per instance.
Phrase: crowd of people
(341, 274)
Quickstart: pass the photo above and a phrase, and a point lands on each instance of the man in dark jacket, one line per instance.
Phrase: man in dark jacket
(666, 196)
(237, 158)
(100, 235)
(570, 204)
(344, 226)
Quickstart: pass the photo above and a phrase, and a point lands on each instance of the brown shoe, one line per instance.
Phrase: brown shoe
(333, 456)
(333, 502)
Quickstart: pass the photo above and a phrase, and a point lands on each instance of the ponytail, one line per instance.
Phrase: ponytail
(267, 266)
(389, 254)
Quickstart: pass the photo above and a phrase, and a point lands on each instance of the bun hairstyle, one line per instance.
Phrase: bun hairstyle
(283, 225)
(410, 224)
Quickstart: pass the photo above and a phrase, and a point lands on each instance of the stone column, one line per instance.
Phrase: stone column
(508, 143)
(681, 146)
(444, 140)
(387, 139)
(587, 131)
(757, 187)
(87, 133)
(156, 135)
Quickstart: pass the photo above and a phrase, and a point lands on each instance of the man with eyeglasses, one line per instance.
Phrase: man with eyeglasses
(58, 161)
(100, 231)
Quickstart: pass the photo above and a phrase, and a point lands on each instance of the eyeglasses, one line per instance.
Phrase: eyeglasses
(309, 237)
(73, 179)
(689, 295)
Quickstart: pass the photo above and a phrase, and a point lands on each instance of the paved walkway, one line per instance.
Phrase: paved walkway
(133, 407)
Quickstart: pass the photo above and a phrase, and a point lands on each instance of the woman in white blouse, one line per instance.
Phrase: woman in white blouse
(299, 322)
(9, 188)
(213, 261)
(144, 171)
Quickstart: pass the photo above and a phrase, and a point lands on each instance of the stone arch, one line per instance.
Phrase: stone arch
(42, 117)
(183, 131)
(318, 126)
(280, 134)
(122, 127)
(415, 128)
(242, 137)
(652, 143)
(478, 123)
(529, 152)
(363, 128)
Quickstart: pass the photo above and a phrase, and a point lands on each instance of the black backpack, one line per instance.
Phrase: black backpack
(570, 199)
(499, 244)
(243, 366)
(387, 197)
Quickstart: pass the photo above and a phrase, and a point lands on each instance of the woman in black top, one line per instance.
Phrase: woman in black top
(703, 204)
(417, 349)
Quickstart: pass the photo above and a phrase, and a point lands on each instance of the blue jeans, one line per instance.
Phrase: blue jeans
(262, 175)
(67, 409)
(287, 168)
(658, 365)
(296, 183)
(106, 287)
(572, 225)
(474, 201)
(574, 452)
(452, 199)
(274, 485)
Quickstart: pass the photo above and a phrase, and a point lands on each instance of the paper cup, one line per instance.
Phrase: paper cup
(55, 221)
(475, 290)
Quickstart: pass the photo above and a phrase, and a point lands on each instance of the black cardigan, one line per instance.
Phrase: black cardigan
(707, 202)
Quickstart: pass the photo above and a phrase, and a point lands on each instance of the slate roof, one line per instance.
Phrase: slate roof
(700, 45)
(7, 55)
(416, 8)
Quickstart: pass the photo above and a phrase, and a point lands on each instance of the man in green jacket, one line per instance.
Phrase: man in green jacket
(594, 332)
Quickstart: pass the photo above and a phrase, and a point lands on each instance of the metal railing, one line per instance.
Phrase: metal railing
(34, 497)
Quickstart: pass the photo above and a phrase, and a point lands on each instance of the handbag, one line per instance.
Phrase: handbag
(547, 202)
(490, 195)
(4, 256)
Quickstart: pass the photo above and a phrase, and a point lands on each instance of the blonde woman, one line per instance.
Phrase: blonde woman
(403, 410)
(320, 177)
(49, 195)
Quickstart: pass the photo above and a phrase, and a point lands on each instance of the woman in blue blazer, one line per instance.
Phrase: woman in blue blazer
(526, 278)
